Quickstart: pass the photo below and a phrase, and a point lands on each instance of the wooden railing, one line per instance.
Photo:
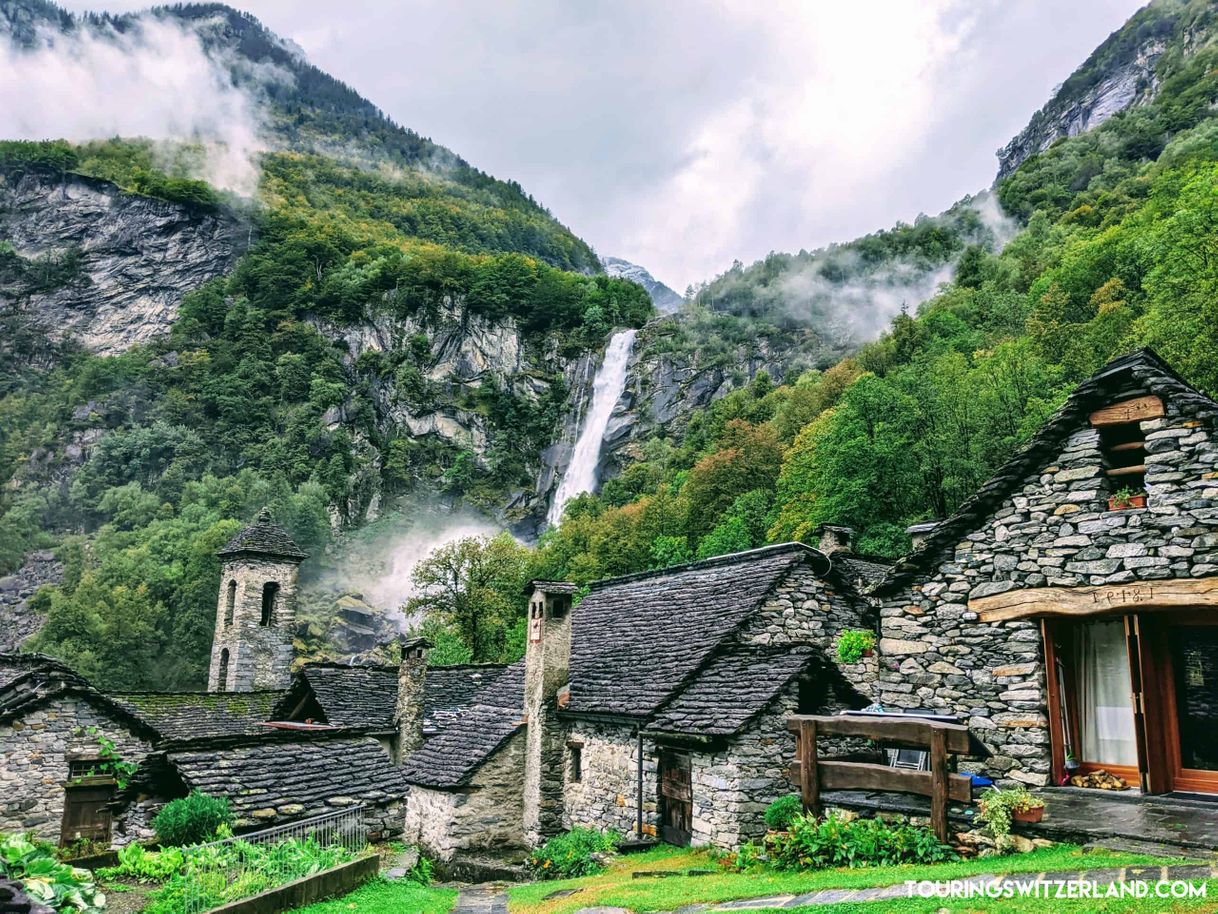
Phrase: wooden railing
(939, 739)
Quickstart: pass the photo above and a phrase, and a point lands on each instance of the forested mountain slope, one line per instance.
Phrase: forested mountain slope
(1115, 248)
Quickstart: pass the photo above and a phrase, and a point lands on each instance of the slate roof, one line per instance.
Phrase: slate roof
(201, 715)
(354, 696)
(277, 780)
(637, 638)
(859, 569)
(263, 537)
(450, 691)
(729, 692)
(1139, 372)
(450, 758)
(28, 681)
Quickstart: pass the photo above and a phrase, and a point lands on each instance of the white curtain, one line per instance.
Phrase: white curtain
(1105, 709)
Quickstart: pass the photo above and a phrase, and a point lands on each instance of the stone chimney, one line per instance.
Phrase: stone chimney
(919, 532)
(835, 538)
(547, 667)
(412, 676)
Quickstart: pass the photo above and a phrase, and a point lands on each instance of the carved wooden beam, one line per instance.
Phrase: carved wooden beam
(1127, 411)
(1180, 593)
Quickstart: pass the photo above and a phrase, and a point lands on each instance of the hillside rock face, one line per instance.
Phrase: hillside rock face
(666, 386)
(1106, 85)
(109, 268)
(665, 299)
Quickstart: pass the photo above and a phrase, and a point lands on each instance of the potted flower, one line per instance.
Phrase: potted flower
(854, 644)
(1125, 499)
(1001, 807)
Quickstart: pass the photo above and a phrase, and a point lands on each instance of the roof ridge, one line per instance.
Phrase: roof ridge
(1051, 433)
(732, 558)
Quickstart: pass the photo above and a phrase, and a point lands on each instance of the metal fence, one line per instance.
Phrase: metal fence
(235, 868)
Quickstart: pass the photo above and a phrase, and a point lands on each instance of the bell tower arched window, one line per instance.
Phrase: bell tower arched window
(230, 603)
(222, 675)
(270, 594)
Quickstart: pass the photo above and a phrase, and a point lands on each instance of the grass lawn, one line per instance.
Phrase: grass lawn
(383, 897)
(616, 887)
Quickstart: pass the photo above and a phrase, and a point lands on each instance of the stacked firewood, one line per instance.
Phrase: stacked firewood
(1099, 780)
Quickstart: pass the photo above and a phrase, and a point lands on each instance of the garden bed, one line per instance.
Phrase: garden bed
(337, 880)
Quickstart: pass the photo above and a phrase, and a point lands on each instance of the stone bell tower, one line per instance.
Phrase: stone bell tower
(256, 611)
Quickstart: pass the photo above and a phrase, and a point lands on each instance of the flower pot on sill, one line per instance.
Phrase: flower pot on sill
(1134, 503)
(868, 652)
(1028, 815)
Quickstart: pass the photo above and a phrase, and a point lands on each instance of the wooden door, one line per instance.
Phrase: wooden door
(676, 798)
(86, 812)
(1190, 706)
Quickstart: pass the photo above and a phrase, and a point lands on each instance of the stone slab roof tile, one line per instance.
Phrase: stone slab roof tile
(638, 638)
(276, 781)
(355, 696)
(733, 689)
(201, 715)
(450, 758)
(264, 537)
(1140, 371)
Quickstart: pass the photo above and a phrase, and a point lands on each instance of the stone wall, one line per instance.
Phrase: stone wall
(260, 656)
(34, 752)
(1053, 530)
(606, 796)
(486, 816)
(808, 610)
(733, 787)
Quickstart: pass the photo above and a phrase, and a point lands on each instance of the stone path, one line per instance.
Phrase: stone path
(488, 898)
(880, 893)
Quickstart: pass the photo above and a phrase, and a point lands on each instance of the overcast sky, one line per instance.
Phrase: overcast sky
(684, 135)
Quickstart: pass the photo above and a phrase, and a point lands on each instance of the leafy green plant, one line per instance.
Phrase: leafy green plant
(144, 865)
(1124, 497)
(999, 804)
(782, 812)
(854, 643)
(191, 819)
(62, 887)
(572, 854)
(422, 872)
(840, 841)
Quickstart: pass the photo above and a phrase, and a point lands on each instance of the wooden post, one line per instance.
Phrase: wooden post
(938, 774)
(809, 781)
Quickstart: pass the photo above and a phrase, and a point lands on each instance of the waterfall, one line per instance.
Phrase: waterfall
(581, 474)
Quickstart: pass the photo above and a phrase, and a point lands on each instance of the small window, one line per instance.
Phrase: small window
(83, 768)
(577, 764)
(222, 675)
(270, 594)
(230, 603)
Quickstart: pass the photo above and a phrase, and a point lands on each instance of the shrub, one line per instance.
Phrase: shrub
(62, 887)
(572, 854)
(839, 841)
(853, 643)
(191, 820)
(782, 812)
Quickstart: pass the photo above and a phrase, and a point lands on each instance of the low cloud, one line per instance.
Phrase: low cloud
(154, 80)
(378, 561)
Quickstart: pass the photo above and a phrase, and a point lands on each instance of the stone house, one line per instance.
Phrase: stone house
(1062, 623)
(55, 780)
(657, 705)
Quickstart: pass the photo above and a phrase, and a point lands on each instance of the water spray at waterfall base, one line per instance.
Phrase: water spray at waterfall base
(582, 472)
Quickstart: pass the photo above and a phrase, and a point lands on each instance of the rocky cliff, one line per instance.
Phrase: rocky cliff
(81, 258)
(1119, 74)
(665, 299)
